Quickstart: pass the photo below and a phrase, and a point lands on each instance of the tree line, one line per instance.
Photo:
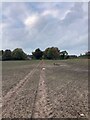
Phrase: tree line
(16, 54)
(51, 53)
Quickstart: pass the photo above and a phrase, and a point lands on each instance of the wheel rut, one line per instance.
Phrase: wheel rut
(9, 98)
(43, 107)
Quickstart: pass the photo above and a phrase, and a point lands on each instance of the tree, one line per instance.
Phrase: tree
(18, 54)
(7, 55)
(52, 53)
(37, 54)
(87, 53)
(1, 52)
(63, 55)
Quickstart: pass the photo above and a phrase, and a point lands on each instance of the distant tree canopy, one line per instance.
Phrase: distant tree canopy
(51, 53)
(64, 55)
(18, 54)
(7, 55)
(37, 54)
(1, 52)
(86, 55)
(72, 56)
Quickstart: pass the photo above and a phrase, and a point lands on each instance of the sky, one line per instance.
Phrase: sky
(31, 25)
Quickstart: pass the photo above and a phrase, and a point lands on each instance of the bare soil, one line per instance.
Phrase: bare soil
(43, 107)
(10, 99)
(49, 91)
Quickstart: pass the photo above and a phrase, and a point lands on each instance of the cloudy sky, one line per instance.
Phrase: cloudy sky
(31, 25)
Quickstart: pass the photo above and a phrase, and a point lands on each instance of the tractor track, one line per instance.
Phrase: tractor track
(47, 102)
(42, 106)
(9, 98)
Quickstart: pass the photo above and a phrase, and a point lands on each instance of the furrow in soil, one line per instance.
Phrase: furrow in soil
(43, 108)
(10, 98)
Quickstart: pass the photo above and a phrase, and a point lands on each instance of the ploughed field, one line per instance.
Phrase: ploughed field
(45, 89)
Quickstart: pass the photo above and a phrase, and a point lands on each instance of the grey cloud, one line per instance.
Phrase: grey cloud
(67, 34)
(76, 13)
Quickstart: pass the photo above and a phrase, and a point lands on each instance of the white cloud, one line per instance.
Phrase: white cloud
(65, 14)
(52, 12)
(3, 25)
(32, 20)
(34, 25)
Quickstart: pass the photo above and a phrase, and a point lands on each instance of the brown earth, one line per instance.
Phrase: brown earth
(49, 91)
